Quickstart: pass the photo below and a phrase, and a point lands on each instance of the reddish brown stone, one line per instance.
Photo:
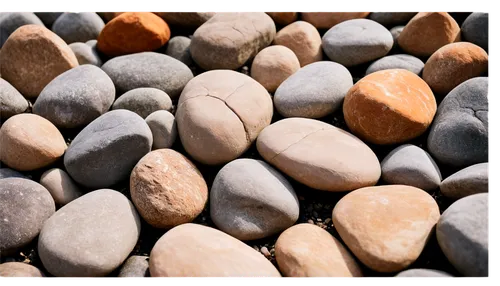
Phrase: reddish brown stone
(283, 18)
(326, 20)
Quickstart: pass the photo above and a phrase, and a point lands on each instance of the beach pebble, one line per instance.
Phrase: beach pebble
(78, 27)
(395, 32)
(326, 20)
(178, 48)
(48, 18)
(475, 29)
(163, 127)
(9, 22)
(469, 181)
(144, 101)
(135, 266)
(401, 61)
(303, 39)
(60, 186)
(12, 101)
(391, 19)
(9, 173)
(108, 16)
(19, 269)
(86, 54)
(283, 18)
(420, 272)
(190, 20)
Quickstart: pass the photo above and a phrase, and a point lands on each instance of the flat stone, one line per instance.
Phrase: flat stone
(144, 101)
(475, 29)
(60, 186)
(283, 18)
(78, 27)
(163, 127)
(178, 48)
(9, 173)
(303, 39)
(420, 272)
(48, 18)
(186, 19)
(12, 101)
(326, 20)
(86, 54)
(19, 269)
(135, 266)
(402, 61)
(391, 19)
(469, 181)
(9, 22)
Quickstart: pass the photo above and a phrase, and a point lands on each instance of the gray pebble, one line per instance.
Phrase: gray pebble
(12, 102)
(391, 19)
(466, 182)
(164, 128)
(475, 29)
(60, 186)
(395, 32)
(178, 48)
(48, 18)
(420, 272)
(92, 43)
(407, 62)
(9, 22)
(144, 101)
(9, 173)
(135, 266)
(78, 27)
(86, 54)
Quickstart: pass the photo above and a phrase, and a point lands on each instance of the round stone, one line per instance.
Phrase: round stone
(475, 29)
(303, 39)
(326, 20)
(86, 54)
(178, 48)
(163, 127)
(19, 269)
(144, 101)
(12, 101)
(9, 22)
(420, 272)
(48, 18)
(9, 173)
(469, 181)
(283, 18)
(78, 27)
(406, 62)
(60, 186)
(135, 266)
(391, 19)
(190, 20)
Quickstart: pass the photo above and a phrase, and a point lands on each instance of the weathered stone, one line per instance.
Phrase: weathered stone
(469, 181)
(144, 101)
(60, 186)
(326, 20)
(475, 29)
(135, 266)
(283, 18)
(178, 48)
(163, 127)
(186, 19)
(78, 27)
(19, 269)
(391, 19)
(12, 102)
(420, 272)
(86, 54)
(406, 62)
(9, 22)
(303, 39)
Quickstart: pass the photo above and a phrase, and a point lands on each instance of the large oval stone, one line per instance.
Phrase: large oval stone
(475, 29)
(402, 61)
(303, 39)
(469, 181)
(78, 27)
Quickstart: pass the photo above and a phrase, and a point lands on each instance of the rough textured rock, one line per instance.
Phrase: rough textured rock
(133, 32)
(469, 181)
(199, 251)
(163, 127)
(314, 91)
(326, 20)
(86, 54)
(318, 155)
(251, 200)
(427, 32)
(412, 166)
(89, 237)
(361, 218)
(186, 19)
(306, 250)
(78, 27)
(60, 186)
(148, 69)
(406, 62)
(11, 101)
(462, 234)
(105, 151)
(420, 272)
(32, 57)
(391, 19)
(76, 97)
(219, 115)
(461, 122)
(26, 205)
(30, 142)
(48, 18)
(9, 22)
(167, 189)
(135, 266)
(475, 29)
(283, 18)
(355, 42)
(144, 101)
(389, 107)
(178, 48)
(19, 269)
(273, 65)
(303, 39)
(229, 40)
(9, 173)
(453, 64)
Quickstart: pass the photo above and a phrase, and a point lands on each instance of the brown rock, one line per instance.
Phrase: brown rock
(273, 65)
(167, 189)
(306, 250)
(326, 20)
(19, 269)
(60, 185)
(133, 32)
(219, 115)
(303, 39)
(386, 227)
(453, 64)
(186, 19)
(283, 18)
(29, 142)
(389, 106)
(199, 251)
(32, 56)
(427, 32)
(319, 155)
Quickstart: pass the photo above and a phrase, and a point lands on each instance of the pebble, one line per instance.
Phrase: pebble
(167, 189)
(89, 237)
(190, 20)
(86, 54)
(26, 205)
(361, 218)
(462, 234)
(326, 20)
(427, 32)
(314, 91)
(12, 101)
(76, 97)
(60, 186)
(19, 269)
(135, 266)
(199, 251)
(265, 251)
(453, 64)
(78, 27)
(108, 16)
(475, 29)
(283, 18)
(133, 32)
(396, 32)
(420, 272)
(9, 173)
(30, 142)
(273, 65)
(401, 61)
(303, 39)
(389, 107)
(355, 42)
(48, 18)
(32, 57)
(163, 127)
(251, 200)
(461, 122)
(318, 155)
(178, 48)
(144, 101)
(229, 40)
(469, 181)
(391, 19)
(412, 166)
(105, 151)
(219, 115)
(9, 22)
(148, 69)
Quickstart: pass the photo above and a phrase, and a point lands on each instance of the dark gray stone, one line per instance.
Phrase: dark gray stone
(391, 19)
(462, 234)
(148, 69)
(9, 173)
(475, 29)
(11, 101)
(86, 54)
(24, 207)
(466, 182)
(420, 272)
(135, 266)
(78, 27)
(314, 91)
(395, 32)
(48, 18)
(90, 236)
(251, 200)
(459, 133)
(76, 97)
(9, 22)
(357, 41)
(105, 152)
(407, 62)
(144, 101)
(178, 48)
(164, 128)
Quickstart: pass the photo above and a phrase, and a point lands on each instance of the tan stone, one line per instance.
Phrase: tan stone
(29, 142)
(319, 155)
(306, 250)
(386, 227)
(303, 39)
(326, 20)
(19, 269)
(186, 19)
(283, 18)
(389, 106)
(427, 32)
(32, 56)
(167, 189)
(453, 64)
(60, 185)
(199, 251)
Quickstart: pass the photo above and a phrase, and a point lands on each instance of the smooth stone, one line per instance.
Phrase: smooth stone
(326, 20)
(48, 18)
(108, 16)
(475, 29)
(469, 181)
(86, 54)
(402, 61)
(163, 127)
(60, 186)
(9, 22)
(144, 101)
(19, 269)
(303, 39)
(12, 101)
(78, 27)
(9, 173)
(391, 19)
(135, 266)
(283, 18)
(178, 48)
(92, 43)
(186, 19)
(395, 32)
(420, 272)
